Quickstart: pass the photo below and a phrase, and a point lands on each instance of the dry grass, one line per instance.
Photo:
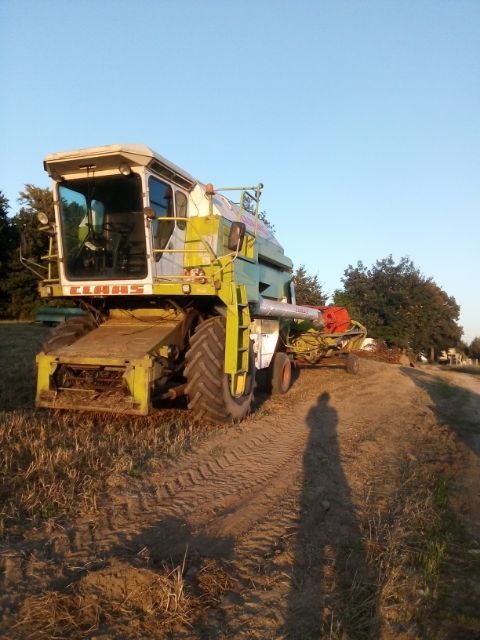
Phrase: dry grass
(406, 581)
(474, 371)
(19, 342)
(407, 545)
(121, 596)
(409, 574)
(55, 464)
(213, 581)
(111, 597)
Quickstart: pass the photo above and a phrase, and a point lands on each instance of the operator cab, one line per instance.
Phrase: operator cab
(102, 195)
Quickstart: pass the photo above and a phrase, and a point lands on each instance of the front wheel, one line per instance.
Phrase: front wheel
(208, 386)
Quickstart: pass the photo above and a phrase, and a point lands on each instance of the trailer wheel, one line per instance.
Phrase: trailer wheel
(280, 373)
(353, 363)
(68, 332)
(208, 387)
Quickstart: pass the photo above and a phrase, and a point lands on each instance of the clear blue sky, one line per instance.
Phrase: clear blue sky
(360, 117)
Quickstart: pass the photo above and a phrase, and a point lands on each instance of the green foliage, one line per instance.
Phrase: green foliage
(474, 348)
(6, 232)
(263, 217)
(308, 289)
(342, 299)
(399, 305)
(8, 239)
(19, 285)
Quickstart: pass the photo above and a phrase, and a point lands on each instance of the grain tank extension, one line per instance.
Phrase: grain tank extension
(183, 291)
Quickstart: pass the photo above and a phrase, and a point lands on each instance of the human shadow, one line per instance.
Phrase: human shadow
(332, 586)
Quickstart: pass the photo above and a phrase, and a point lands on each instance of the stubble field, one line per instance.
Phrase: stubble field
(348, 508)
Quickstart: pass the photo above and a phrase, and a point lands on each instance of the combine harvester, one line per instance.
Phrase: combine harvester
(184, 292)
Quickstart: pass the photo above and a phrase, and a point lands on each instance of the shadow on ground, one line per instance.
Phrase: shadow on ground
(453, 405)
(332, 587)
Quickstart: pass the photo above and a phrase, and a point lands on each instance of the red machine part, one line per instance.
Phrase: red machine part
(336, 319)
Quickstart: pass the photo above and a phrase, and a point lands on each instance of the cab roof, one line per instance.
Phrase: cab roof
(109, 156)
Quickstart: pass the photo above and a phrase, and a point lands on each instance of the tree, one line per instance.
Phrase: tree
(474, 348)
(399, 305)
(7, 244)
(262, 215)
(249, 206)
(21, 285)
(308, 289)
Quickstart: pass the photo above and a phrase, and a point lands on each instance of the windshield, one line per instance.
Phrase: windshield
(103, 228)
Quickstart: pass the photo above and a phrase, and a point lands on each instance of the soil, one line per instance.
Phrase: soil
(269, 521)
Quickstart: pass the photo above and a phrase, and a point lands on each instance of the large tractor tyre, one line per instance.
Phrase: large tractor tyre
(68, 332)
(208, 386)
(280, 373)
(353, 364)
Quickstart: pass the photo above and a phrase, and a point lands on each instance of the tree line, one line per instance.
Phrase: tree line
(18, 286)
(394, 300)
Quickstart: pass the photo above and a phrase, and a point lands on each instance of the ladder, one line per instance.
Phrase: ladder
(237, 340)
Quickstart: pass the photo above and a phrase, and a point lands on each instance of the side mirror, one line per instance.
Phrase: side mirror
(236, 236)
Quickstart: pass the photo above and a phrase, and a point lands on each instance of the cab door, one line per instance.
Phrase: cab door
(168, 233)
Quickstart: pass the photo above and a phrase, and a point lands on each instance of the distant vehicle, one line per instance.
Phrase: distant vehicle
(52, 316)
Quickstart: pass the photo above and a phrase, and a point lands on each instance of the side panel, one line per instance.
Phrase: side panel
(264, 334)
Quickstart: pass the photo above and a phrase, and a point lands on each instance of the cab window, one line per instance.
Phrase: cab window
(161, 200)
(181, 209)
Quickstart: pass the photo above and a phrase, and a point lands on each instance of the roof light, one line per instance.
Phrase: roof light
(124, 169)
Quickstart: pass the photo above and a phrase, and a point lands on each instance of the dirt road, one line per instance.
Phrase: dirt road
(302, 522)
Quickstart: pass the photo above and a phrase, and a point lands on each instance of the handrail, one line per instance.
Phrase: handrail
(210, 192)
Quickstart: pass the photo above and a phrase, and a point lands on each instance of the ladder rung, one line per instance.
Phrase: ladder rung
(243, 326)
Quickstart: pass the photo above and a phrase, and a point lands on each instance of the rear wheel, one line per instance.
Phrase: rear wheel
(208, 386)
(353, 364)
(280, 373)
(68, 332)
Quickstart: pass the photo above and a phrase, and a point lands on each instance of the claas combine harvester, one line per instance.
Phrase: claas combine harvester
(183, 292)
